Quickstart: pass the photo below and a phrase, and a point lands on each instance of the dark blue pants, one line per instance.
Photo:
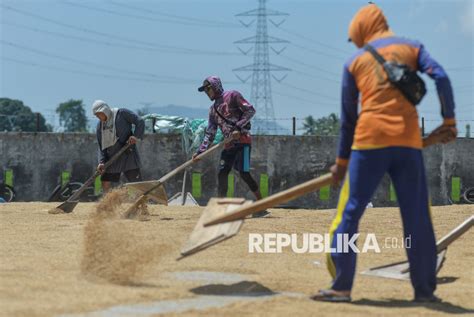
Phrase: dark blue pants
(406, 169)
(237, 157)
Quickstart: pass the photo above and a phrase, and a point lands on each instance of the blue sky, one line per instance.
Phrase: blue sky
(133, 53)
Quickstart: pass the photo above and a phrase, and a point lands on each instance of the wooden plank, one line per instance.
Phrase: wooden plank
(158, 194)
(203, 237)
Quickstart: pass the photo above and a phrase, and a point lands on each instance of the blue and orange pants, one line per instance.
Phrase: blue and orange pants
(365, 171)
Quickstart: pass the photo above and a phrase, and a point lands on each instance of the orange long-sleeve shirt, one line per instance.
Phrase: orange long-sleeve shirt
(386, 117)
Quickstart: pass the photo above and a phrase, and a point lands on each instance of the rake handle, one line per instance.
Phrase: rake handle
(89, 181)
(163, 179)
(297, 191)
(182, 167)
(454, 234)
(281, 197)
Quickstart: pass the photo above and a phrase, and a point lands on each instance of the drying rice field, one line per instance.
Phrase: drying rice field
(90, 264)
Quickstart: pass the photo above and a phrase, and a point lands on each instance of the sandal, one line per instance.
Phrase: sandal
(329, 295)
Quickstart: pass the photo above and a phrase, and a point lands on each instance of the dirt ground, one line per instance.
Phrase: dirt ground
(42, 266)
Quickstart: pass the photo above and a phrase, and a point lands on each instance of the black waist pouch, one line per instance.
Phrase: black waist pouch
(401, 76)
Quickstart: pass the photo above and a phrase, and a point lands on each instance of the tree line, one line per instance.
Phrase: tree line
(16, 116)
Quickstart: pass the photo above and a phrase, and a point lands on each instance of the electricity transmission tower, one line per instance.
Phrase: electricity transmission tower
(262, 69)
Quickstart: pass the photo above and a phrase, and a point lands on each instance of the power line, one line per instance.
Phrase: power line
(159, 13)
(108, 43)
(441, 120)
(21, 115)
(178, 80)
(121, 38)
(460, 69)
(73, 71)
(311, 50)
(464, 111)
(465, 105)
(296, 61)
(464, 91)
(171, 80)
(457, 107)
(438, 112)
(464, 87)
(310, 75)
(98, 65)
(315, 76)
(308, 101)
(308, 91)
(133, 16)
(314, 41)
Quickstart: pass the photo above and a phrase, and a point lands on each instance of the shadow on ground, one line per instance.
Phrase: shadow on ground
(141, 284)
(444, 307)
(244, 288)
(167, 218)
(446, 279)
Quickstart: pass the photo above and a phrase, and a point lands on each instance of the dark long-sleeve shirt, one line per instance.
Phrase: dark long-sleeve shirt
(236, 110)
(124, 121)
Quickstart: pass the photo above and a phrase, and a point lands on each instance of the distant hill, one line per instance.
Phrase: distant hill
(202, 113)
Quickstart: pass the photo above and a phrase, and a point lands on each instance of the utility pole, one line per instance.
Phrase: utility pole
(262, 69)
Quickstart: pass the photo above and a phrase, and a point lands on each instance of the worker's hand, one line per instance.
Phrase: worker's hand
(132, 140)
(235, 135)
(195, 157)
(444, 134)
(338, 172)
(101, 168)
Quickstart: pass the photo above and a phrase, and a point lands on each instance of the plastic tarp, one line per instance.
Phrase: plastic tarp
(192, 130)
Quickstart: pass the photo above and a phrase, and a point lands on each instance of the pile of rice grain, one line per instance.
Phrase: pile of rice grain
(113, 249)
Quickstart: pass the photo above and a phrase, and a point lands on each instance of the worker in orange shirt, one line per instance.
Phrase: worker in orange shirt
(384, 137)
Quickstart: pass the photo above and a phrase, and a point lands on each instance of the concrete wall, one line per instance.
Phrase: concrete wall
(37, 161)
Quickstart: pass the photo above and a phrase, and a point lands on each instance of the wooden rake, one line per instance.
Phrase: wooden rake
(69, 205)
(219, 212)
(294, 192)
(156, 189)
(401, 270)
